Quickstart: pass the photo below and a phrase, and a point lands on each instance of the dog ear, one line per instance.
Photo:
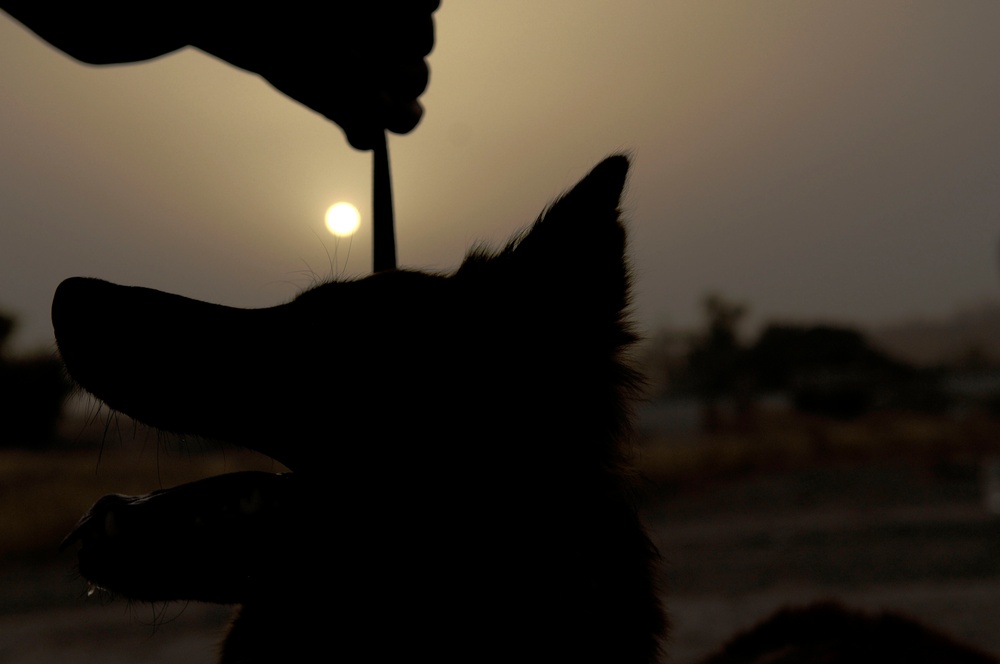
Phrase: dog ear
(584, 218)
(596, 197)
(574, 254)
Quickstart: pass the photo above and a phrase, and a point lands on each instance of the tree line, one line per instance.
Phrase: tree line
(33, 389)
(826, 370)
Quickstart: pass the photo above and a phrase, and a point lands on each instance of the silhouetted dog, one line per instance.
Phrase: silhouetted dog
(459, 490)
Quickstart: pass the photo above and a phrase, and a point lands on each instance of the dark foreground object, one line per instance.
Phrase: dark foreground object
(830, 634)
(480, 417)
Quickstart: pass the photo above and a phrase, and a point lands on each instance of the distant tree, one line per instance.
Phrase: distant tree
(32, 392)
(974, 357)
(824, 369)
(6, 327)
(715, 368)
(827, 370)
(662, 358)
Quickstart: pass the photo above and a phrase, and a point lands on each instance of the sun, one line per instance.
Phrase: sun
(342, 219)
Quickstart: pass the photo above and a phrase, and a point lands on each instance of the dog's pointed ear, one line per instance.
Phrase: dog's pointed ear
(585, 213)
(599, 192)
(577, 246)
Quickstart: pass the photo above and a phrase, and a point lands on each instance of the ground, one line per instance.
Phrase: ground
(904, 536)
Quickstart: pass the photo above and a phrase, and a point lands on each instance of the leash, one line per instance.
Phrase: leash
(383, 220)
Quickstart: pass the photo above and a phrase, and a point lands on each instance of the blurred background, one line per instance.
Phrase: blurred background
(813, 212)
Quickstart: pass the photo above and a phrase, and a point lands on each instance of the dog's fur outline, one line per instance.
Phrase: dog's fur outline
(481, 492)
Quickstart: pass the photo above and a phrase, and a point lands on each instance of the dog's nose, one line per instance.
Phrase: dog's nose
(71, 298)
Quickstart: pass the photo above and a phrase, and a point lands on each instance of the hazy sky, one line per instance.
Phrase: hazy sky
(814, 159)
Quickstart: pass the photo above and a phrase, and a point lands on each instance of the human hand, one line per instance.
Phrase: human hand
(361, 64)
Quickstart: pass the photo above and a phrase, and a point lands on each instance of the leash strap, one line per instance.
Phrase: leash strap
(383, 220)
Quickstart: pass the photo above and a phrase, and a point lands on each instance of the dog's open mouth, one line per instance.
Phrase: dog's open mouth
(207, 540)
(165, 360)
(236, 375)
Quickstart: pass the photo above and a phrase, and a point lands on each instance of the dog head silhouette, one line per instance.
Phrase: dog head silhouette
(458, 484)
